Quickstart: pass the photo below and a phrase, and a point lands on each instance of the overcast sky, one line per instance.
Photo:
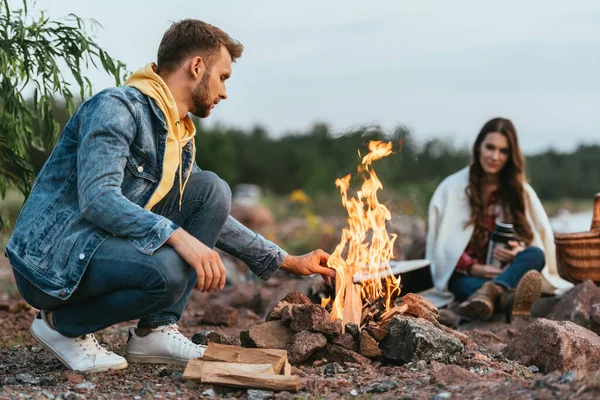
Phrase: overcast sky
(442, 68)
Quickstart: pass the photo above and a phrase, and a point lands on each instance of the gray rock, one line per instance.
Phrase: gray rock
(84, 387)
(259, 394)
(353, 393)
(48, 381)
(544, 306)
(27, 379)
(442, 396)
(48, 395)
(569, 377)
(409, 339)
(576, 304)
(353, 330)
(382, 387)
(206, 337)
(209, 393)
(533, 368)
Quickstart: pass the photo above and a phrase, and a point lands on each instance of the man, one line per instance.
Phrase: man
(121, 223)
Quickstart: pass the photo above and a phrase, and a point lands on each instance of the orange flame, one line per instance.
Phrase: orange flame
(366, 243)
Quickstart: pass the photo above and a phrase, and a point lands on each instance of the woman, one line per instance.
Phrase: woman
(464, 210)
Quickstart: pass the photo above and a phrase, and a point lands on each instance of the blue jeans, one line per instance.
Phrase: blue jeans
(122, 284)
(463, 286)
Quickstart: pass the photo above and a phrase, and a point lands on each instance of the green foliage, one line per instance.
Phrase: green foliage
(35, 53)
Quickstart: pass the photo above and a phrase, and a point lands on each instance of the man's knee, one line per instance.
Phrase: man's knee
(172, 274)
(215, 191)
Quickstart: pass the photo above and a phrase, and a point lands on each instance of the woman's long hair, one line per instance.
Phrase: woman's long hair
(511, 190)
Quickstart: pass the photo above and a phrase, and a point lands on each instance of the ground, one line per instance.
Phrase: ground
(29, 371)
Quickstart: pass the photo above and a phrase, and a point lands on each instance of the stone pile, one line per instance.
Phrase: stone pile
(309, 335)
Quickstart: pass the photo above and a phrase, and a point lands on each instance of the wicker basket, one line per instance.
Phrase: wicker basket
(578, 254)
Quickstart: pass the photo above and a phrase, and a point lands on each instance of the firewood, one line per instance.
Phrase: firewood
(352, 303)
(227, 353)
(259, 376)
(396, 310)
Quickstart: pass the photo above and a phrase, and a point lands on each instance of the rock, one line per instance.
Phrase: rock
(353, 393)
(246, 296)
(544, 306)
(286, 313)
(346, 341)
(268, 335)
(74, 378)
(354, 330)
(27, 379)
(209, 393)
(533, 369)
(206, 337)
(465, 340)
(452, 374)
(595, 319)
(254, 394)
(420, 307)
(84, 387)
(368, 345)
(410, 339)
(48, 381)
(335, 353)
(442, 396)
(315, 318)
(218, 314)
(382, 387)
(290, 299)
(376, 332)
(576, 304)
(552, 345)
(305, 344)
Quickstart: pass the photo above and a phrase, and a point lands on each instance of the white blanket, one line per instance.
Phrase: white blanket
(447, 237)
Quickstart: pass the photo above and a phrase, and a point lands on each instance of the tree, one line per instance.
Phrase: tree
(38, 56)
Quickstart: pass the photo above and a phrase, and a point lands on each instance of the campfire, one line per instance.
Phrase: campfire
(364, 251)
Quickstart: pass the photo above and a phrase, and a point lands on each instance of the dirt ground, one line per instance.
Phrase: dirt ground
(28, 371)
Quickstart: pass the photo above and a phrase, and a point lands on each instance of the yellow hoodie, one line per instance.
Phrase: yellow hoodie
(147, 81)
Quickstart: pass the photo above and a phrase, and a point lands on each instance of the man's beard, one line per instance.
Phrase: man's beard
(201, 103)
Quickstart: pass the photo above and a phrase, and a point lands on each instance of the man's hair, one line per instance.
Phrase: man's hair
(190, 37)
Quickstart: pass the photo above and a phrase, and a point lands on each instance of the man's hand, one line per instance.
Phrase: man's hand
(485, 271)
(508, 255)
(207, 263)
(314, 262)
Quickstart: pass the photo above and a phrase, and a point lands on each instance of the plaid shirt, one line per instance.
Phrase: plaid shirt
(474, 254)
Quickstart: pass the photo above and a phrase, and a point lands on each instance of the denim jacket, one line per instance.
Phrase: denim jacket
(100, 175)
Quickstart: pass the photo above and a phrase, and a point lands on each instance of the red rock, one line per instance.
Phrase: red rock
(268, 335)
(218, 314)
(334, 353)
(451, 374)
(368, 345)
(291, 298)
(346, 341)
(305, 344)
(421, 307)
(552, 345)
(314, 318)
(576, 304)
(376, 332)
(74, 378)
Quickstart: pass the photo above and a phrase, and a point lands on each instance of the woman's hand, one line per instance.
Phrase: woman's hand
(485, 271)
(508, 255)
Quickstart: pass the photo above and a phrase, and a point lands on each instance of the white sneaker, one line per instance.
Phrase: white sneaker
(163, 345)
(83, 354)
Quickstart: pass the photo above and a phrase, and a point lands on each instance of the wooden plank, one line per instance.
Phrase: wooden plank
(287, 368)
(227, 353)
(352, 304)
(197, 367)
(256, 380)
(396, 310)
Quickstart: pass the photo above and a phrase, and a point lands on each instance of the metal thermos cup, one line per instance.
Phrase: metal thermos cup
(502, 234)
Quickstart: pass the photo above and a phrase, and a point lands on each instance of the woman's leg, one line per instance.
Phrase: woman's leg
(532, 258)
(463, 286)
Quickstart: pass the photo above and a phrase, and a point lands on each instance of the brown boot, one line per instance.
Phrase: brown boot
(481, 303)
(518, 302)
